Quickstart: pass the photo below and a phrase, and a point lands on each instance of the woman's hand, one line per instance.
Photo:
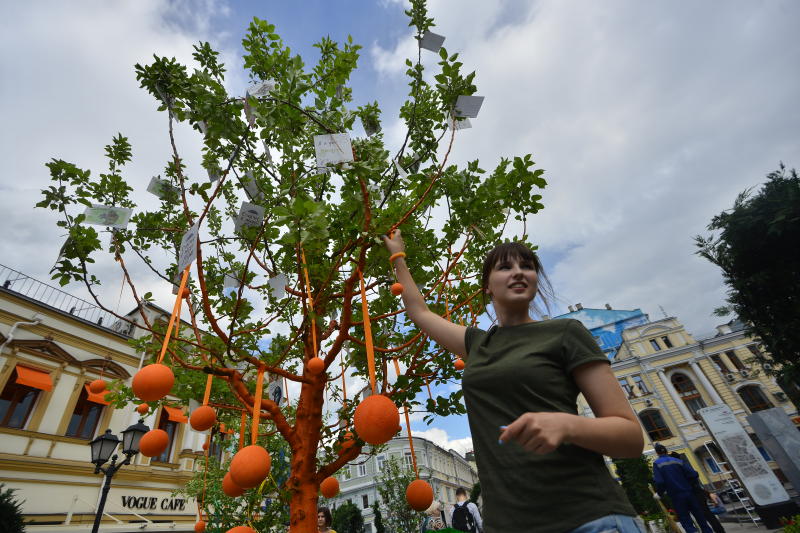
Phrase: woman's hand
(539, 433)
(395, 243)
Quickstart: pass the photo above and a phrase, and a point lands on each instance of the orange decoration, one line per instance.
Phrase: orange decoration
(205, 445)
(397, 289)
(348, 441)
(329, 487)
(241, 529)
(419, 495)
(203, 418)
(460, 364)
(315, 365)
(142, 408)
(97, 386)
(153, 382)
(200, 527)
(185, 293)
(153, 443)
(376, 419)
(250, 466)
(230, 487)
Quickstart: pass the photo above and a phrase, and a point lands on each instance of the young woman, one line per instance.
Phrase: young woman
(324, 520)
(540, 465)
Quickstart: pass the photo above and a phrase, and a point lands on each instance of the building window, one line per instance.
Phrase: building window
(655, 345)
(217, 446)
(666, 341)
(365, 501)
(409, 460)
(16, 402)
(346, 473)
(171, 427)
(720, 364)
(712, 465)
(754, 398)
(380, 461)
(654, 425)
(735, 361)
(753, 350)
(637, 380)
(362, 470)
(623, 382)
(85, 417)
(688, 393)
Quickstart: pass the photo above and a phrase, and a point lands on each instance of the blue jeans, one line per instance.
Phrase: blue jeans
(611, 524)
(686, 503)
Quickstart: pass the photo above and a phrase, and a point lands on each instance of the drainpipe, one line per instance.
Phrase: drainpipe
(35, 321)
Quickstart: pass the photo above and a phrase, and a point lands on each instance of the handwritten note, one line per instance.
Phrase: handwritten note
(113, 217)
(431, 41)
(250, 216)
(261, 89)
(161, 188)
(188, 249)
(468, 106)
(332, 149)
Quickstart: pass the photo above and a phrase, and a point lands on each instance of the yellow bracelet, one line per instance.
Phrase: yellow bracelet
(396, 255)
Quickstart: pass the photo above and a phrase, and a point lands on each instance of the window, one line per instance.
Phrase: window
(655, 345)
(171, 427)
(720, 364)
(654, 425)
(83, 422)
(380, 461)
(362, 470)
(712, 465)
(760, 447)
(16, 401)
(637, 380)
(365, 501)
(688, 393)
(623, 382)
(409, 460)
(753, 350)
(735, 361)
(217, 446)
(754, 398)
(666, 341)
(346, 472)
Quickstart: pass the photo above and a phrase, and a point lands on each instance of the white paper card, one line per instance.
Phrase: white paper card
(250, 215)
(113, 217)
(468, 106)
(231, 281)
(431, 41)
(267, 154)
(248, 112)
(160, 187)
(371, 128)
(251, 187)
(275, 391)
(261, 89)
(188, 251)
(213, 174)
(458, 123)
(400, 170)
(277, 285)
(203, 127)
(332, 149)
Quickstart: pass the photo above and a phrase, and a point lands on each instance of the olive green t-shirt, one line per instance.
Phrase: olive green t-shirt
(528, 368)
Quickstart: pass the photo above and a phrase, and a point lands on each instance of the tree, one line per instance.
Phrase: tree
(392, 482)
(475, 493)
(378, 520)
(347, 519)
(636, 474)
(11, 518)
(756, 248)
(272, 292)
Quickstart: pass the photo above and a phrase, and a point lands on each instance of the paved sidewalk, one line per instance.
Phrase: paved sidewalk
(746, 527)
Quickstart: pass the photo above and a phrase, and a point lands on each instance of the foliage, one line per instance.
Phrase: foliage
(392, 483)
(347, 518)
(791, 524)
(756, 248)
(11, 518)
(636, 474)
(475, 493)
(377, 521)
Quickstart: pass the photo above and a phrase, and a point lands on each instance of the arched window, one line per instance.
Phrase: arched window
(654, 424)
(688, 393)
(754, 398)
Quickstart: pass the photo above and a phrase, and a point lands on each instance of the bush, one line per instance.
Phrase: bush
(11, 520)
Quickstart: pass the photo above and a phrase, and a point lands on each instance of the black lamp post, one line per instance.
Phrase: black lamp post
(102, 448)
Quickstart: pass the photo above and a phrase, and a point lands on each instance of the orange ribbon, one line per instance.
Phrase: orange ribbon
(257, 405)
(408, 424)
(176, 311)
(367, 333)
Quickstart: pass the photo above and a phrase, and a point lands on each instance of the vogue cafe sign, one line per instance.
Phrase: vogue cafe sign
(150, 503)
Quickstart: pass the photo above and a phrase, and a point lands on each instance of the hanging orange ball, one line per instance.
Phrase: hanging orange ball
(153, 382)
(459, 364)
(397, 289)
(153, 443)
(230, 488)
(203, 418)
(376, 419)
(241, 529)
(348, 441)
(142, 408)
(199, 527)
(419, 495)
(329, 487)
(315, 365)
(250, 466)
(97, 386)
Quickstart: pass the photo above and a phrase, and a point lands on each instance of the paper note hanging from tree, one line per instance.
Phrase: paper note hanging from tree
(431, 41)
(251, 187)
(458, 123)
(113, 217)
(213, 174)
(332, 149)
(261, 89)
(277, 285)
(231, 282)
(250, 216)
(401, 172)
(468, 106)
(161, 188)
(248, 112)
(275, 391)
(371, 126)
(188, 250)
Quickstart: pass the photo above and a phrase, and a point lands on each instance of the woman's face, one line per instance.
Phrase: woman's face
(512, 283)
(321, 520)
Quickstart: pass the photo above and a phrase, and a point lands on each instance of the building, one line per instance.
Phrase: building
(52, 345)
(445, 470)
(668, 376)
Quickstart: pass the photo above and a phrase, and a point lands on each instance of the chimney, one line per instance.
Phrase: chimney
(608, 306)
(579, 307)
(571, 310)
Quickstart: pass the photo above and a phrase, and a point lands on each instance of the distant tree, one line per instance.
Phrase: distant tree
(475, 493)
(378, 520)
(757, 250)
(636, 474)
(11, 519)
(392, 483)
(347, 518)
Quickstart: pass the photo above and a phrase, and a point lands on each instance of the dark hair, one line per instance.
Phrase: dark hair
(660, 449)
(461, 491)
(519, 251)
(327, 512)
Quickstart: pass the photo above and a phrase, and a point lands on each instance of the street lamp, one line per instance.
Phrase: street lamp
(102, 448)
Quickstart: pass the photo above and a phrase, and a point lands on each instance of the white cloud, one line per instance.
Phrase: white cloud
(440, 437)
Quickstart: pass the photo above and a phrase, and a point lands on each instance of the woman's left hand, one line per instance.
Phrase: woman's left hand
(539, 433)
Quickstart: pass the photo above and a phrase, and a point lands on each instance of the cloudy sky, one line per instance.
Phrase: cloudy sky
(648, 117)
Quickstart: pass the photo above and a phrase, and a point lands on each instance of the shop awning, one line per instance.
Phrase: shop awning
(100, 397)
(38, 379)
(176, 415)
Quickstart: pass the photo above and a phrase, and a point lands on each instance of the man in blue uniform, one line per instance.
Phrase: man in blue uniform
(676, 477)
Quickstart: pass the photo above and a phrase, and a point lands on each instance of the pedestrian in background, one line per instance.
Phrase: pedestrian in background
(465, 515)
(677, 479)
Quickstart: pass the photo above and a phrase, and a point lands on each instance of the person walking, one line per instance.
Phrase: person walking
(433, 518)
(465, 515)
(540, 464)
(675, 477)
